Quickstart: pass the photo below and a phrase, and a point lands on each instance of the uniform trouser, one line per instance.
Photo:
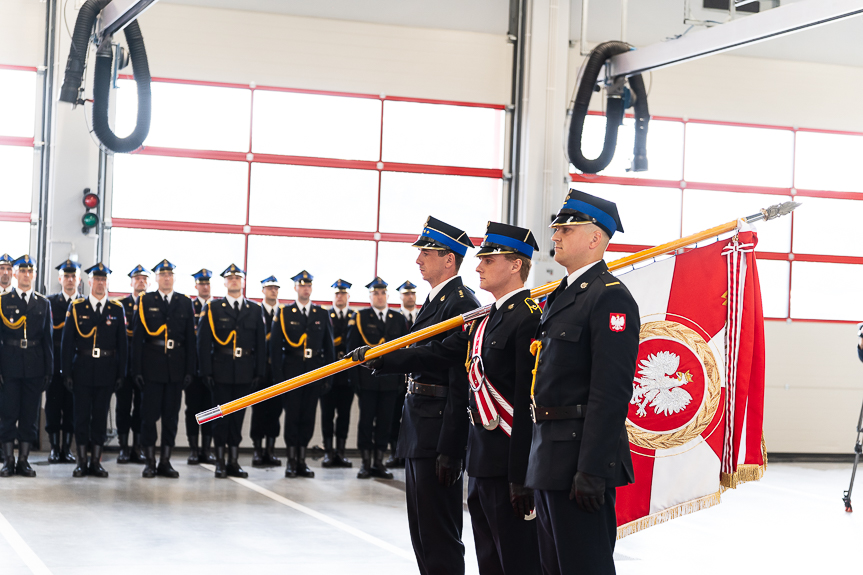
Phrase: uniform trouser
(59, 407)
(128, 409)
(572, 540)
(92, 403)
(198, 399)
(20, 400)
(229, 429)
(376, 418)
(435, 518)
(396, 424)
(337, 400)
(265, 418)
(300, 406)
(160, 401)
(505, 544)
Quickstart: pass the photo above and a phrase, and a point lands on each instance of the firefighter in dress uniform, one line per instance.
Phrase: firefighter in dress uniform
(265, 415)
(336, 403)
(94, 348)
(585, 364)
(433, 434)
(26, 366)
(374, 326)
(198, 397)
(301, 341)
(232, 353)
(59, 405)
(128, 406)
(164, 361)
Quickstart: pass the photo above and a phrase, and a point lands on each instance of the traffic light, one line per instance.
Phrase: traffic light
(90, 219)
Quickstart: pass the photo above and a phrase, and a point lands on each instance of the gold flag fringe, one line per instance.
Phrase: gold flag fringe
(669, 514)
(747, 472)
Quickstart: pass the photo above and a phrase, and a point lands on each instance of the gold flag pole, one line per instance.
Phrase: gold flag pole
(770, 213)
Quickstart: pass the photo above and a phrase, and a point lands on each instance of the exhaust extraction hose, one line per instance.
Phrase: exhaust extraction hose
(615, 108)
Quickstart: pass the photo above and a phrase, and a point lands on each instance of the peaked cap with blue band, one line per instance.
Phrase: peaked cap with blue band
(270, 281)
(7, 259)
(303, 278)
(24, 261)
(506, 239)
(233, 270)
(341, 285)
(407, 287)
(138, 271)
(164, 266)
(377, 283)
(580, 208)
(99, 269)
(438, 235)
(202, 276)
(68, 267)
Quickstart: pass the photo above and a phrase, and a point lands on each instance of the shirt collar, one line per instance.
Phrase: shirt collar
(436, 290)
(411, 314)
(269, 308)
(231, 300)
(94, 301)
(29, 293)
(169, 295)
(575, 275)
(69, 298)
(345, 310)
(502, 300)
(204, 301)
(306, 307)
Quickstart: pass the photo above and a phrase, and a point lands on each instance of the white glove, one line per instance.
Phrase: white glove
(860, 329)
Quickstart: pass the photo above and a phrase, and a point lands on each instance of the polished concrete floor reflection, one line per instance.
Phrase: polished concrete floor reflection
(793, 519)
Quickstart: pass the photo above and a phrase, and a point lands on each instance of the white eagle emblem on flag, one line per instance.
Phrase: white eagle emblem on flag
(664, 394)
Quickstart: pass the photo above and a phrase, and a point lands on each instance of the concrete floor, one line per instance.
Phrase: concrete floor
(794, 519)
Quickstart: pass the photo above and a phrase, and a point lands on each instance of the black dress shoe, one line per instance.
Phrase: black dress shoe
(378, 467)
(291, 465)
(329, 459)
(8, 469)
(205, 455)
(303, 469)
(23, 468)
(96, 468)
(55, 455)
(366, 466)
(194, 453)
(138, 455)
(341, 460)
(257, 454)
(221, 469)
(124, 456)
(233, 467)
(150, 462)
(164, 469)
(270, 453)
(66, 449)
(81, 469)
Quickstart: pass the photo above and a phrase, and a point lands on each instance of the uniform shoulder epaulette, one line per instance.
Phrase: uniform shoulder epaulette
(79, 300)
(116, 302)
(615, 283)
(532, 305)
(469, 289)
(38, 294)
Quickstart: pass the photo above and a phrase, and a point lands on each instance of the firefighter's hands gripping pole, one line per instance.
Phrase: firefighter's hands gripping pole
(770, 213)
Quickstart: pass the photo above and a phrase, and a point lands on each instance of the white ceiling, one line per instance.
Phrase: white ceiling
(649, 21)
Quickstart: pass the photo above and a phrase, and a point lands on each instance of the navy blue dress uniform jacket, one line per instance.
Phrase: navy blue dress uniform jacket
(109, 338)
(433, 425)
(369, 330)
(508, 365)
(37, 359)
(59, 306)
(150, 356)
(219, 360)
(340, 344)
(290, 361)
(585, 361)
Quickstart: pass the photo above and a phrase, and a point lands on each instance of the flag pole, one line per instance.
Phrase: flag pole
(765, 214)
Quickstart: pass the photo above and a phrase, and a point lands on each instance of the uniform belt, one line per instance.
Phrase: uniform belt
(236, 352)
(417, 388)
(99, 352)
(170, 344)
(22, 343)
(305, 353)
(473, 415)
(548, 413)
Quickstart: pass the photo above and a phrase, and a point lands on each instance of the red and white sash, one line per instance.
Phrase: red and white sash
(493, 407)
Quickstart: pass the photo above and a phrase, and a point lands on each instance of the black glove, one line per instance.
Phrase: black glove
(521, 498)
(187, 381)
(359, 355)
(68, 383)
(209, 382)
(448, 469)
(588, 491)
(118, 385)
(47, 382)
(139, 382)
(256, 383)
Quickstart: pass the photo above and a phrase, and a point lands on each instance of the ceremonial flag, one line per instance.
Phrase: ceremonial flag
(695, 418)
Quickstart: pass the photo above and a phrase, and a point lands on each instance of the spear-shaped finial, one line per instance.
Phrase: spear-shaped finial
(772, 212)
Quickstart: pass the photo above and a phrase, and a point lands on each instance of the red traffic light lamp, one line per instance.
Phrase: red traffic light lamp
(89, 220)
(91, 200)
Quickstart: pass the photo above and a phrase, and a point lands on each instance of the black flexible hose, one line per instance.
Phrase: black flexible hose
(78, 51)
(102, 89)
(613, 116)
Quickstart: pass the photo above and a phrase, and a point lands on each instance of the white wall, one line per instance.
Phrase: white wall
(22, 32)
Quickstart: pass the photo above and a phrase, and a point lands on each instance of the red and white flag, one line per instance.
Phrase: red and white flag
(695, 418)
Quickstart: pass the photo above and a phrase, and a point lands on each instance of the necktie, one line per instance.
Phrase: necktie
(305, 312)
(237, 306)
(99, 309)
(166, 301)
(341, 314)
(272, 314)
(381, 315)
(24, 297)
(564, 283)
